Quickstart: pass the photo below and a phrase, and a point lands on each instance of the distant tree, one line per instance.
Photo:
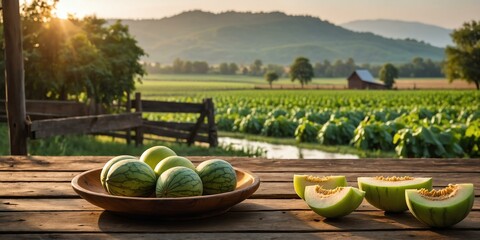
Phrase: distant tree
(232, 68)
(223, 68)
(256, 68)
(278, 69)
(387, 74)
(463, 60)
(200, 67)
(187, 67)
(301, 70)
(177, 65)
(270, 77)
(244, 70)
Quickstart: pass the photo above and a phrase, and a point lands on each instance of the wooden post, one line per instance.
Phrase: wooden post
(14, 77)
(212, 128)
(128, 107)
(138, 130)
(198, 124)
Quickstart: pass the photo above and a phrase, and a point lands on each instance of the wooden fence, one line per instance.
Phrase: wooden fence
(188, 132)
(52, 118)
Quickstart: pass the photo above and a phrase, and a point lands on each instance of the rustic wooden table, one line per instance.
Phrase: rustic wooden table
(37, 201)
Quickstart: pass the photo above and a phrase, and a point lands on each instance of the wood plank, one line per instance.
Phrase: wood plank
(84, 125)
(354, 235)
(249, 205)
(439, 179)
(174, 107)
(147, 129)
(266, 221)
(323, 166)
(176, 125)
(267, 190)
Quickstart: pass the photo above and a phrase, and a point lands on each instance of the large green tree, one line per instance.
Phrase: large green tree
(387, 74)
(463, 59)
(301, 70)
(83, 59)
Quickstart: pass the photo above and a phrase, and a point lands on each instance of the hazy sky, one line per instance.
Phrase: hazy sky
(445, 13)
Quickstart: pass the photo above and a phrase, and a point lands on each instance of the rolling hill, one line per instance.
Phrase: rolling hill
(435, 35)
(274, 37)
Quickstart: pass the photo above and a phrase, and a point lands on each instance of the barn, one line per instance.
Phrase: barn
(363, 79)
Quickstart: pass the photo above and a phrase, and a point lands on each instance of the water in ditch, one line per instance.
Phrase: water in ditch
(279, 151)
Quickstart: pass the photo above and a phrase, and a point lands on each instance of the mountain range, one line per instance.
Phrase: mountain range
(274, 38)
(435, 35)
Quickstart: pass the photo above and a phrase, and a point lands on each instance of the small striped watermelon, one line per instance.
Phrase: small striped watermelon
(131, 178)
(109, 164)
(179, 182)
(218, 176)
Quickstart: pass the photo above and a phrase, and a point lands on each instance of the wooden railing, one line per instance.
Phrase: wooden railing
(189, 132)
(52, 118)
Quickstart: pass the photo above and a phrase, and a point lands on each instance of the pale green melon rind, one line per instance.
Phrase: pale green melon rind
(337, 206)
(441, 213)
(390, 198)
(109, 164)
(154, 155)
(218, 176)
(131, 178)
(172, 161)
(300, 182)
(179, 182)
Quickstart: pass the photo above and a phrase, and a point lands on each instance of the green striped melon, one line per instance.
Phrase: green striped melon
(109, 164)
(388, 193)
(179, 182)
(131, 178)
(217, 175)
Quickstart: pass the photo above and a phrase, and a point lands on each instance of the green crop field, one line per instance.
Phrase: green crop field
(420, 123)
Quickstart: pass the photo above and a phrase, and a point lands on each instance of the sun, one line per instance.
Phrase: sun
(65, 8)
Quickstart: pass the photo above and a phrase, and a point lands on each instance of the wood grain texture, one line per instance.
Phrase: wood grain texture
(321, 166)
(261, 221)
(37, 201)
(354, 235)
(269, 190)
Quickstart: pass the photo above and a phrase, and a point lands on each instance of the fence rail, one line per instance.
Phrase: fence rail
(52, 118)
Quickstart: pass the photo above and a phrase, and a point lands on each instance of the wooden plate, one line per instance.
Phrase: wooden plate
(88, 186)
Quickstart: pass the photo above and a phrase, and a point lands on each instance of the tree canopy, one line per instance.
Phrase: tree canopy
(301, 70)
(270, 77)
(463, 59)
(81, 59)
(387, 74)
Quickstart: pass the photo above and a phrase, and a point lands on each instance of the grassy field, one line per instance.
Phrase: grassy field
(88, 145)
(190, 84)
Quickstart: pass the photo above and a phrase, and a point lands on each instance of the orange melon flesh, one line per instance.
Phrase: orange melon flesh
(301, 181)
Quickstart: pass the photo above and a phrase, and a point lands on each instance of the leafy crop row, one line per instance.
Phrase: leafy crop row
(411, 123)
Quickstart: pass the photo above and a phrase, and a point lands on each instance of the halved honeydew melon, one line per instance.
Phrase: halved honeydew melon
(327, 182)
(333, 203)
(388, 193)
(441, 208)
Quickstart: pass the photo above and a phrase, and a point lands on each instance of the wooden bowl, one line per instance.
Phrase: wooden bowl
(89, 187)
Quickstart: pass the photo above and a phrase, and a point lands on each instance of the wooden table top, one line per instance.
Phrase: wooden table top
(37, 201)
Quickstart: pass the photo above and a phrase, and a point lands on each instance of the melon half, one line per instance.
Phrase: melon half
(333, 203)
(388, 193)
(441, 208)
(328, 182)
